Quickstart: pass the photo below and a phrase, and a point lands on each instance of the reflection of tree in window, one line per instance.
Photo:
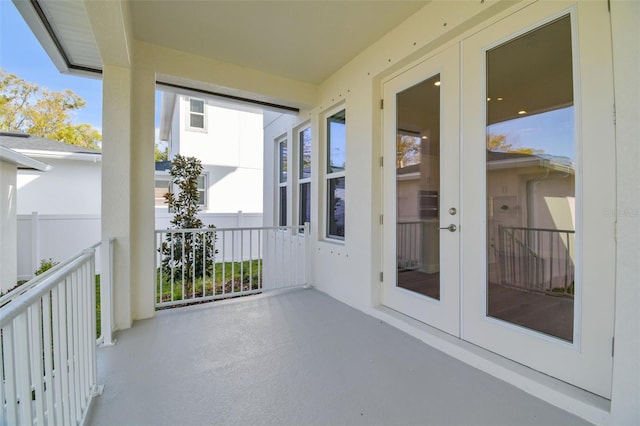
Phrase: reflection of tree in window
(407, 150)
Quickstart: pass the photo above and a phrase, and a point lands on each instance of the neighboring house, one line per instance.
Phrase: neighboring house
(72, 186)
(58, 212)
(11, 163)
(227, 138)
(485, 63)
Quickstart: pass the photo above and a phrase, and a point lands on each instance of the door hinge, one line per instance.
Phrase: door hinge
(381, 161)
(613, 345)
(614, 114)
(381, 276)
(381, 219)
(381, 103)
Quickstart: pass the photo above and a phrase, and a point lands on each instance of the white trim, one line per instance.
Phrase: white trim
(21, 160)
(81, 156)
(326, 176)
(188, 114)
(298, 180)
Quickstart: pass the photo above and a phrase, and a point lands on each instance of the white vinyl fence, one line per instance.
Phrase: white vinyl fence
(58, 237)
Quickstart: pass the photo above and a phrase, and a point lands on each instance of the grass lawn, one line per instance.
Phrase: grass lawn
(229, 277)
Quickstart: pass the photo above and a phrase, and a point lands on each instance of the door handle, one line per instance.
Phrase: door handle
(451, 228)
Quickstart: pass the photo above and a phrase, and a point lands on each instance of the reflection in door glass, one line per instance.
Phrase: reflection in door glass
(418, 188)
(531, 181)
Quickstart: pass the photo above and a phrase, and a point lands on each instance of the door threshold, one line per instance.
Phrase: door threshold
(565, 396)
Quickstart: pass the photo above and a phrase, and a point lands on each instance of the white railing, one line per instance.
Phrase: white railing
(48, 351)
(197, 265)
(409, 245)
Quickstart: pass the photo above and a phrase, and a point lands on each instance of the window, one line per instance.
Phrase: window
(196, 115)
(335, 174)
(304, 177)
(282, 182)
(162, 185)
(202, 190)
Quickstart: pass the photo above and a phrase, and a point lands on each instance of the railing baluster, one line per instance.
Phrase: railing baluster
(11, 372)
(48, 362)
(23, 375)
(36, 354)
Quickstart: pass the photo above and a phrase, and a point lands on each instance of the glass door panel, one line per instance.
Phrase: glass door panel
(421, 192)
(418, 187)
(530, 180)
(538, 255)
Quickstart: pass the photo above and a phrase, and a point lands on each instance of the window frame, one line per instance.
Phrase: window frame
(190, 112)
(164, 175)
(301, 179)
(161, 175)
(282, 180)
(329, 175)
(204, 190)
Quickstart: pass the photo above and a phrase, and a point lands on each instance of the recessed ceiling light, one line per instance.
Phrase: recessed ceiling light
(488, 99)
(437, 83)
(424, 137)
(522, 112)
(499, 99)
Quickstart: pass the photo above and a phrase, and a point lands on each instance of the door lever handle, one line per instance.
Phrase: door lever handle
(451, 228)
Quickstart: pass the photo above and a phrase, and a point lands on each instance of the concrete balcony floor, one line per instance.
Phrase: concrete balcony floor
(295, 358)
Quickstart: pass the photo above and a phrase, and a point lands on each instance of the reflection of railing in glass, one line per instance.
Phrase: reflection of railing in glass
(408, 245)
(536, 260)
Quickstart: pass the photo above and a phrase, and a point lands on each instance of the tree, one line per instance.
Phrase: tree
(498, 143)
(27, 108)
(186, 254)
(407, 150)
(160, 154)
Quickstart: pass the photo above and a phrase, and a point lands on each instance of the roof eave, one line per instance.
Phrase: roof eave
(22, 161)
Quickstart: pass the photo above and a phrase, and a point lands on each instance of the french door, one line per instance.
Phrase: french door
(421, 187)
(499, 170)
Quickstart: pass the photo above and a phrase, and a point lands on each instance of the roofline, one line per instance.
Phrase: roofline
(60, 155)
(167, 109)
(22, 161)
(524, 162)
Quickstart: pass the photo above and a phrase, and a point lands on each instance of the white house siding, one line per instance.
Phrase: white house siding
(70, 187)
(230, 150)
(349, 270)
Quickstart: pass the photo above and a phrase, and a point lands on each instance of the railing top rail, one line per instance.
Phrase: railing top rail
(18, 304)
(522, 228)
(249, 228)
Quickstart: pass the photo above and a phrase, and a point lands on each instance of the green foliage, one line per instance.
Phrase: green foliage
(186, 254)
(45, 265)
(27, 108)
(161, 154)
(499, 143)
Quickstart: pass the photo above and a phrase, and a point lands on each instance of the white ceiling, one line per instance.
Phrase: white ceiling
(301, 40)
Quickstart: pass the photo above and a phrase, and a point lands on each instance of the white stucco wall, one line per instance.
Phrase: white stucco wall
(70, 187)
(349, 270)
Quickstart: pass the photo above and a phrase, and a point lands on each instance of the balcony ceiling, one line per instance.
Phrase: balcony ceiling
(303, 40)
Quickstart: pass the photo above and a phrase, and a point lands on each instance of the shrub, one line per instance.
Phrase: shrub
(45, 265)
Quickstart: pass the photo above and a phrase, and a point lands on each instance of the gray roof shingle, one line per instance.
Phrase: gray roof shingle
(22, 141)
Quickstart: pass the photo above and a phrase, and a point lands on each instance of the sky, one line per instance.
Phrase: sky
(21, 54)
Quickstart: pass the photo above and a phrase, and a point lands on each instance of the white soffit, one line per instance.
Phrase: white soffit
(63, 29)
(302, 40)
(69, 21)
